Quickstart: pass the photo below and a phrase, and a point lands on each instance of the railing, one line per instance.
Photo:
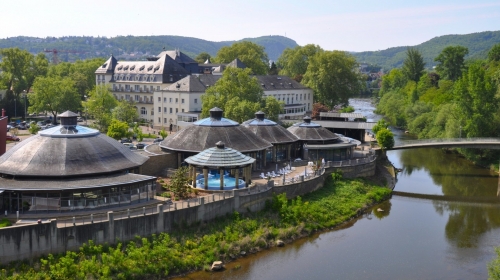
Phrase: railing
(169, 205)
(353, 162)
(445, 141)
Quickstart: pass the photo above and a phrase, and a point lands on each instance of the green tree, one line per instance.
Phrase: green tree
(451, 62)
(236, 92)
(413, 65)
(163, 133)
(381, 124)
(273, 108)
(294, 62)
(251, 54)
(273, 70)
(138, 132)
(118, 129)
(393, 81)
(54, 95)
(179, 183)
(332, 76)
(125, 112)
(477, 103)
(202, 57)
(385, 138)
(99, 105)
(494, 53)
(34, 128)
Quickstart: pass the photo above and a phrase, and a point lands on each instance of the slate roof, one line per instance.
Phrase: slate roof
(52, 154)
(58, 184)
(269, 130)
(236, 63)
(204, 133)
(275, 82)
(193, 83)
(310, 131)
(220, 156)
(108, 66)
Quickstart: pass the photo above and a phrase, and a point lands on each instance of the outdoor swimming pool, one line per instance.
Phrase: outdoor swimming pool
(214, 183)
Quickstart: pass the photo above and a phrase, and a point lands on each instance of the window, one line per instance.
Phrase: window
(132, 68)
(136, 98)
(170, 110)
(144, 111)
(127, 87)
(159, 99)
(159, 109)
(127, 97)
(158, 88)
(170, 100)
(182, 110)
(165, 99)
(151, 88)
(182, 100)
(196, 101)
(177, 100)
(159, 120)
(176, 110)
(136, 87)
(164, 109)
(152, 112)
(164, 120)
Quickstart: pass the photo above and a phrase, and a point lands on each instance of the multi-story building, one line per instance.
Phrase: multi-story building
(167, 89)
(179, 104)
(137, 80)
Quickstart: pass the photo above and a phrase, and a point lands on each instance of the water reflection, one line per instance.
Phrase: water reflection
(382, 210)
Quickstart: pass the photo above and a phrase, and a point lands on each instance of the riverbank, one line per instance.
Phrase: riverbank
(196, 246)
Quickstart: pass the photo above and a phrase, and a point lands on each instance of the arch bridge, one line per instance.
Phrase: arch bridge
(478, 143)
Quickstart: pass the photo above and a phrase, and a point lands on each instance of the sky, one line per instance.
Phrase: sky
(333, 25)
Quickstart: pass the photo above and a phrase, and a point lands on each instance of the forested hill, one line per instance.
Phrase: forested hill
(135, 47)
(478, 44)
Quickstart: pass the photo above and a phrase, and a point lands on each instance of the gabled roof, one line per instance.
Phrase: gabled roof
(236, 63)
(275, 82)
(107, 67)
(193, 83)
(178, 56)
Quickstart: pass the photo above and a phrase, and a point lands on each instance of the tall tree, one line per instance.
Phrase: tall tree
(451, 62)
(273, 108)
(251, 54)
(100, 104)
(293, 62)
(332, 76)
(54, 95)
(413, 65)
(494, 53)
(202, 57)
(273, 70)
(125, 112)
(477, 104)
(237, 93)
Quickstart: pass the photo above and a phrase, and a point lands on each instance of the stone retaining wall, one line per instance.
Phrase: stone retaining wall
(35, 240)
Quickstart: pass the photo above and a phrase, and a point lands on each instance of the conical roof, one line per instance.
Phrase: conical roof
(220, 156)
(203, 133)
(68, 151)
(310, 131)
(268, 130)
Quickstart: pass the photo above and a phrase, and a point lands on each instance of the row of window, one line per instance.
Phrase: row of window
(118, 87)
(169, 111)
(288, 100)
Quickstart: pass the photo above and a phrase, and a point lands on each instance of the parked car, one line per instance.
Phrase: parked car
(130, 146)
(23, 126)
(158, 140)
(140, 146)
(79, 119)
(12, 138)
(125, 140)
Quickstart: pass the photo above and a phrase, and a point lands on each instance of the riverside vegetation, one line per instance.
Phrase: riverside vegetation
(196, 246)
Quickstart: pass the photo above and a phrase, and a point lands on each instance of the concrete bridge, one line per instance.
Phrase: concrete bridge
(478, 143)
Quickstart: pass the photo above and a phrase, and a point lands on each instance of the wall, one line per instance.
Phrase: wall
(35, 240)
(158, 164)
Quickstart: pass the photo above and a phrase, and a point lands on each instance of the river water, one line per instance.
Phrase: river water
(413, 238)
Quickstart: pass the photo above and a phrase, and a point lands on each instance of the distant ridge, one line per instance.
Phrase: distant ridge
(136, 47)
(478, 44)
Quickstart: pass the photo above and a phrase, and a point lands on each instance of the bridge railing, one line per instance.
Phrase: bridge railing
(447, 141)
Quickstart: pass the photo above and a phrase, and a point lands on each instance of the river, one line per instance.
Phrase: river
(413, 238)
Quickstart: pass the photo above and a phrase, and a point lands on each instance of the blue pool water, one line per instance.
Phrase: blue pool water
(214, 182)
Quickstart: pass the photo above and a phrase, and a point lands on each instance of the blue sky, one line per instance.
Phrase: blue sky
(333, 25)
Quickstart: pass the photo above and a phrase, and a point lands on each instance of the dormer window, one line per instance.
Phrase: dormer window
(126, 68)
(104, 65)
(157, 68)
(142, 68)
(150, 68)
(120, 68)
(132, 68)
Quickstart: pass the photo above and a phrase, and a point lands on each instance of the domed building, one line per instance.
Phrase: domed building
(71, 167)
(317, 142)
(202, 134)
(283, 141)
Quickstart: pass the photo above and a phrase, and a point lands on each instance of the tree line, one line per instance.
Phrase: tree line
(459, 98)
